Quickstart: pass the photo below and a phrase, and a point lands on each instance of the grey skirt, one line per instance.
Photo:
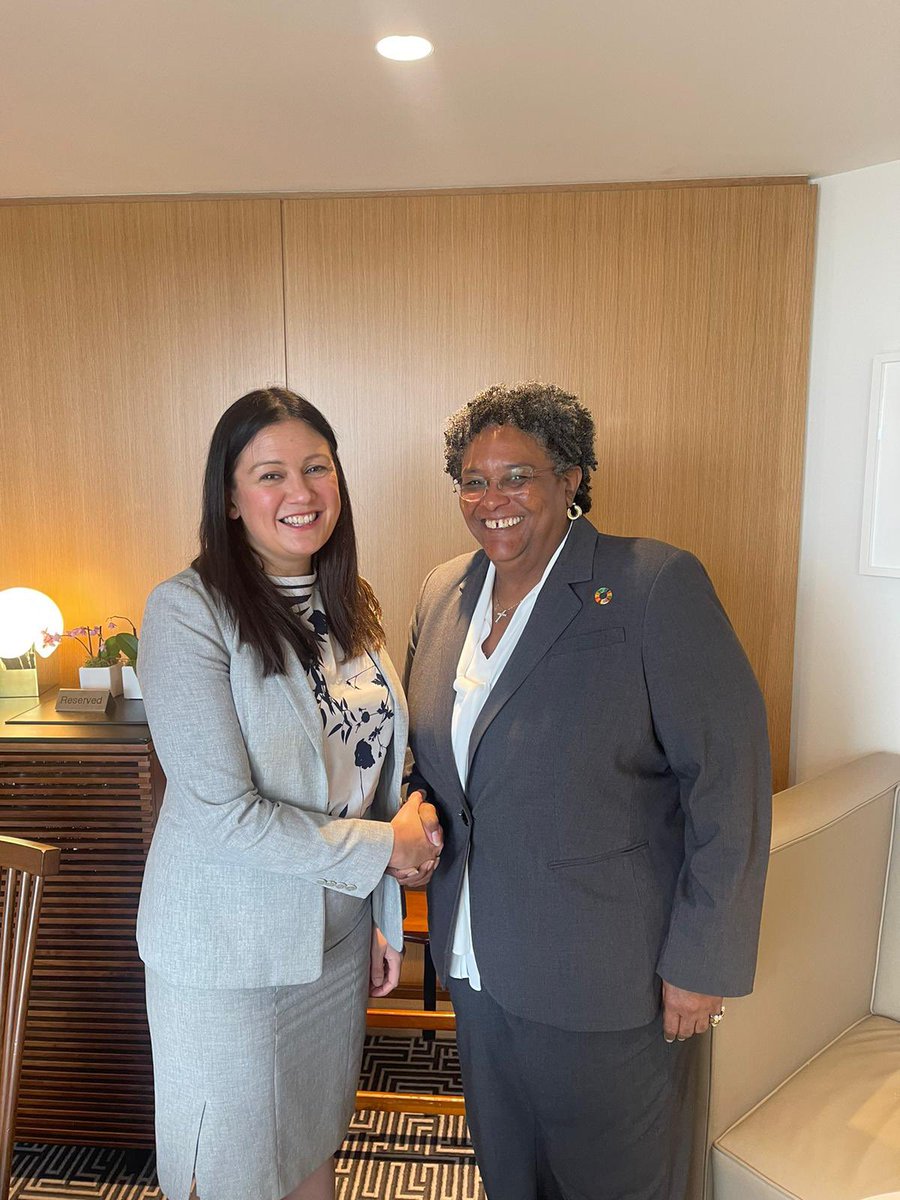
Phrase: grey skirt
(255, 1087)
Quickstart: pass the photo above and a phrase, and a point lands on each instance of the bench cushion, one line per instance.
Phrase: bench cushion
(831, 1132)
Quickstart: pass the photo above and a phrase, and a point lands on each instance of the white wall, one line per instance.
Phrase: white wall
(847, 659)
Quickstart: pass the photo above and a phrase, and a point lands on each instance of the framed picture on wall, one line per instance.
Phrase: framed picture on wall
(880, 544)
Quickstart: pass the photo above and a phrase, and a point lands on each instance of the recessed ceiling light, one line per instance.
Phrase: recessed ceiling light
(404, 49)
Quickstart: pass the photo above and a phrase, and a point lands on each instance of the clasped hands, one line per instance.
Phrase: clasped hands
(418, 841)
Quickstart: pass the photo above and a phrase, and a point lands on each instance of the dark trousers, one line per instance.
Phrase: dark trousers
(557, 1115)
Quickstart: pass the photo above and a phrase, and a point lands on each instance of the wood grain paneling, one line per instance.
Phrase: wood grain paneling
(679, 315)
(125, 330)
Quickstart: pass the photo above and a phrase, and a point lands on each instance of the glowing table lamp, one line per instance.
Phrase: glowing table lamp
(24, 615)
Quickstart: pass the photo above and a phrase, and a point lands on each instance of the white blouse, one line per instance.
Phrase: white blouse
(355, 704)
(475, 676)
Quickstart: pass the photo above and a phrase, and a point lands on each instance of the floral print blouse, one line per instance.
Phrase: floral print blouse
(355, 704)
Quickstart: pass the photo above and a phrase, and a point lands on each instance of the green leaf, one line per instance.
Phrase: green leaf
(125, 644)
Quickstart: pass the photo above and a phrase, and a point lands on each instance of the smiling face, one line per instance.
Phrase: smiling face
(285, 491)
(517, 531)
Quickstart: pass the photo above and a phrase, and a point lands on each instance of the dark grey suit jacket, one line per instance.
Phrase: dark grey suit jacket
(617, 812)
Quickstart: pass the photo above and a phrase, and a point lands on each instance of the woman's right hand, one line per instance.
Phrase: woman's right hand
(418, 837)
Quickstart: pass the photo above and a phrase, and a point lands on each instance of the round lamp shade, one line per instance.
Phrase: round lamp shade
(24, 615)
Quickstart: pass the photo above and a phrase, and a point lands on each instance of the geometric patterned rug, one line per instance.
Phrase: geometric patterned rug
(386, 1155)
(408, 1156)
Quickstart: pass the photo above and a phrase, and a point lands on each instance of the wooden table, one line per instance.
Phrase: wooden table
(93, 790)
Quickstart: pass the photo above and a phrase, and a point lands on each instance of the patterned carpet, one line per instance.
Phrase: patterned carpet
(386, 1156)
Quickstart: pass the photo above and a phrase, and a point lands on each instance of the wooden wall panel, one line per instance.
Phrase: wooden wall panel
(679, 315)
(125, 330)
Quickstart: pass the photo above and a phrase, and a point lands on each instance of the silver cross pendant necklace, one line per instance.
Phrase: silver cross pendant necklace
(499, 614)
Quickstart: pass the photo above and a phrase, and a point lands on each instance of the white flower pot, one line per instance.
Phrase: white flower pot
(132, 689)
(101, 677)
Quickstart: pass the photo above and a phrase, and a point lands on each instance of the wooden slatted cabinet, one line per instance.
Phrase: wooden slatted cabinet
(94, 792)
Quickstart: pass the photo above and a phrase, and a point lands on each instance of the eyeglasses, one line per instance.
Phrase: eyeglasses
(514, 483)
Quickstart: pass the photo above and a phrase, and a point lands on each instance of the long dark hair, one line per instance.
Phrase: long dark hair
(232, 572)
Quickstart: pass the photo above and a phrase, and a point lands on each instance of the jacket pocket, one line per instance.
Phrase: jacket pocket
(596, 858)
(584, 643)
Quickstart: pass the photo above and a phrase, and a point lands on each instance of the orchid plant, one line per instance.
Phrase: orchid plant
(101, 651)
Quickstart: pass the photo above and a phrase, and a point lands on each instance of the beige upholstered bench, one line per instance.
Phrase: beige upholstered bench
(805, 1083)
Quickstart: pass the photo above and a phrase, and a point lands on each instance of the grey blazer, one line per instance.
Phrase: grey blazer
(616, 816)
(234, 887)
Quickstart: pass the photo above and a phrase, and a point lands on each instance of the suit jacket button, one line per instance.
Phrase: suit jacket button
(464, 816)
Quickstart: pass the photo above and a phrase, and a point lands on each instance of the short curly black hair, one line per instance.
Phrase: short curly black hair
(554, 418)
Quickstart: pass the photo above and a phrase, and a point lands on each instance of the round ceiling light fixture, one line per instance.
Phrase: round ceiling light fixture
(404, 48)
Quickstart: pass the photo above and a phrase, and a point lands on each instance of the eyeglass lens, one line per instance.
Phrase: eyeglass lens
(512, 483)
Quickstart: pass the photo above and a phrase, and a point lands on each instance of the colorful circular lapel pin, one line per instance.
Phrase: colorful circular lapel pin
(603, 595)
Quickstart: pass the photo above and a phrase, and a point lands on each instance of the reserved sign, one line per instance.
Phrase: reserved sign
(95, 700)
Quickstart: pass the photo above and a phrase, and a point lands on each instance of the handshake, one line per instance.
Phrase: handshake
(418, 841)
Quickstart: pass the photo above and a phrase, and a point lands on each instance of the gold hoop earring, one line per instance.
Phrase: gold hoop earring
(574, 511)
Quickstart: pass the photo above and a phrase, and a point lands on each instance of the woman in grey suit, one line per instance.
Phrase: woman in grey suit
(281, 728)
(586, 723)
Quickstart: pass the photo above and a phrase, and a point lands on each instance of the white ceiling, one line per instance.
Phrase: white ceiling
(115, 97)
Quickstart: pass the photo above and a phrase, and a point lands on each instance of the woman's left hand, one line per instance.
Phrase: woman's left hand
(686, 1013)
(384, 971)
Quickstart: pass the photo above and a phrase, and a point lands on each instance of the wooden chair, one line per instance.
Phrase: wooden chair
(427, 1018)
(415, 929)
(25, 866)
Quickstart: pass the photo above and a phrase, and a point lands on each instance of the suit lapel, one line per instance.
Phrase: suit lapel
(401, 722)
(556, 607)
(384, 664)
(295, 683)
(452, 630)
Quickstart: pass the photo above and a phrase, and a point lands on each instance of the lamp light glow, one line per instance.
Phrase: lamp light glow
(24, 615)
(404, 48)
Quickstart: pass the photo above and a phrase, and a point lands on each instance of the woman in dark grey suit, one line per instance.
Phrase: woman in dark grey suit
(281, 728)
(586, 722)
